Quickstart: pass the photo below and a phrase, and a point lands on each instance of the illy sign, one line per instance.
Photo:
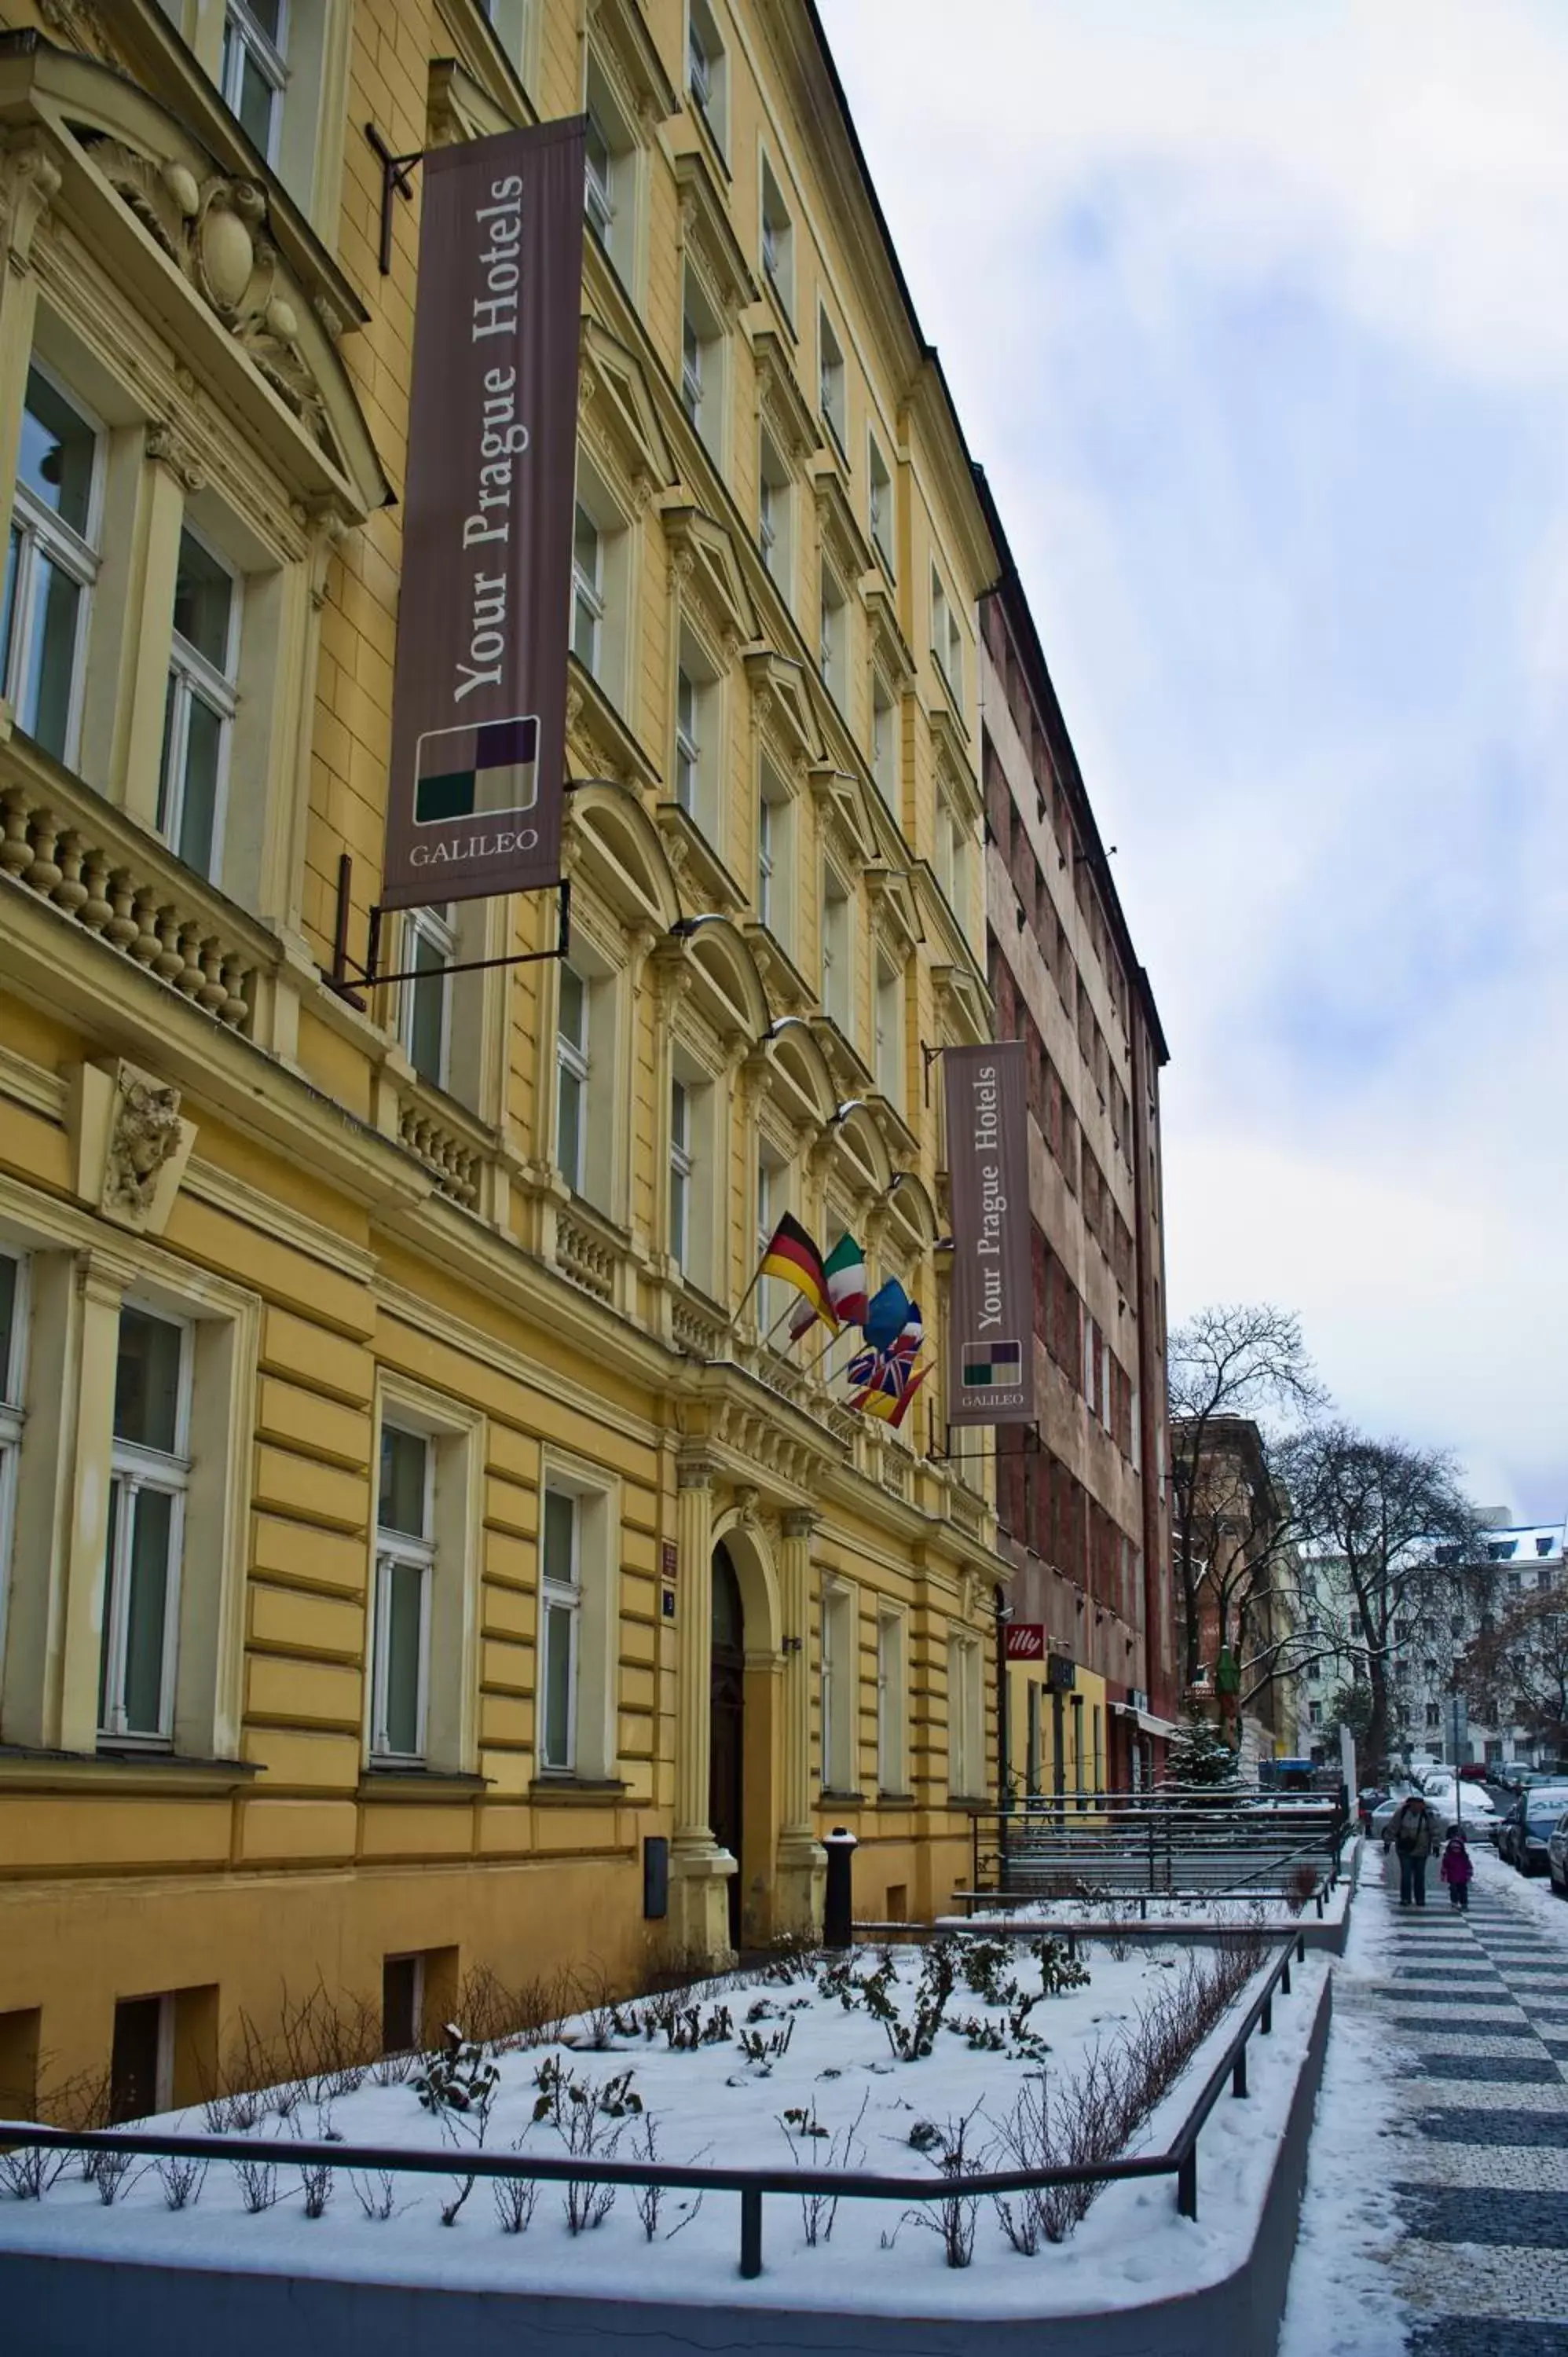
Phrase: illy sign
(1025, 1641)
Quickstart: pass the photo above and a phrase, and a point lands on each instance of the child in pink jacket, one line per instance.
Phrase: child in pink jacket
(1457, 1870)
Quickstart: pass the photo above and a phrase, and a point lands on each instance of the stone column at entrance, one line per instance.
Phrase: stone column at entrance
(802, 1861)
(699, 1870)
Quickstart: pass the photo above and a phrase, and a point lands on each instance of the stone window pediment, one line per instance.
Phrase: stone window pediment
(711, 574)
(710, 244)
(615, 843)
(963, 1004)
(156, 210)
(782, 706)
(890, 650)
(629, 56)
(619, 413)
(896, 915)
(851, 829)
(787, 413)
(843, 539)
(464, 104)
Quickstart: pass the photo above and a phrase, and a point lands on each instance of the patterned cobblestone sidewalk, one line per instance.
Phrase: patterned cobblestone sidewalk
(1480, 2000)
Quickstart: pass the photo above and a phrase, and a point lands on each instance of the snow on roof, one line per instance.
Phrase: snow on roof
(1525, 1543)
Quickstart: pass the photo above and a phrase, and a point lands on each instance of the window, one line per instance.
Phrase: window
(1433, 1713)
(884, 741)
(774, 1297)
(830, 383)
(690, 367)
(405, 1563)
(430, 941)
(587, 590)
(706, 72)
(688, 750)
(51, 564)
(774, 511)
(697, 733)
(1033, 1759)
(838, 1689)
(966, 1775)
(150, 1474)
(775, 856)
(947, 641)
(891, 1709)
(702, 367)
(837, 953)
(778, 243)
(889, 1058)
(939, 619)
(1314, 1714)
(1544, 1546)
(560, 1607)
(13, 1333)
(598, 179)
(255, 73)
(572, 1078)
(832, 635)
(880, 498)
(199, 708)
(681, 1169)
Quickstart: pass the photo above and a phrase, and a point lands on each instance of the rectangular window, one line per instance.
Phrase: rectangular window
(198, 708)
(255, 71)
(889, 1058)
(773, 535)
(405, 1563)
(13, 1343)
(884, 741)
(830, 384)
(687, 749)
(765, 860)
(587, 590)
(832, 635)
(141, 2058)
(891, 1707)
(692, 369)
(149, 1475)
(572, 1078)
(598, 179)
(706, 76)
(965, 1772)
(880, 503)
(777, 243)
(1314, 1714)
(682, 1169)
(838, 1690)
(430, 943)
(837, 965)
(51, 564)
(560, 1613)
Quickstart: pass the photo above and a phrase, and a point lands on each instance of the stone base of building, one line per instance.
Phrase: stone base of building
(799, 1887)
(699, 1904)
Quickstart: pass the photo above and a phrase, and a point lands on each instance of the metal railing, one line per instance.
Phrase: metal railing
(1064, 1846)
(1179, 2160)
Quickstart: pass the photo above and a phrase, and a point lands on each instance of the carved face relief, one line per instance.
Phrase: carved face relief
(144, 1135)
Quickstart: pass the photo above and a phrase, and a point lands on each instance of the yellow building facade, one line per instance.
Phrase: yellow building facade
(407, 1529)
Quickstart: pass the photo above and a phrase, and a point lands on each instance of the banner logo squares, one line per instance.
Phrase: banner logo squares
(464, 772)
(989, 1366)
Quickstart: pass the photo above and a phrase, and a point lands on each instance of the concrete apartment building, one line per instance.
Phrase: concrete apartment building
(1246, 1574)
(1083, 1512)
(406, 1527)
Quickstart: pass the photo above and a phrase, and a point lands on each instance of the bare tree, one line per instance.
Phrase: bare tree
(1234, 1360)
(1388, 1530)
(1516, 1669)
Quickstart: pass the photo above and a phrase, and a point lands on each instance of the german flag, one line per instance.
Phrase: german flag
(793, 1256)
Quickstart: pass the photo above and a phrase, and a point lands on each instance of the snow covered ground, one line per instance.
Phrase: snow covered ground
(1268, 1915)
(838, 2072)
(1533, 1893)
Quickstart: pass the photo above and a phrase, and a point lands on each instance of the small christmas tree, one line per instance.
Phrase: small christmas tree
(1200, 1764)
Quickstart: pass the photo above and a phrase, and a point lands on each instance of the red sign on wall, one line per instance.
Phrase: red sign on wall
(1025, 1641)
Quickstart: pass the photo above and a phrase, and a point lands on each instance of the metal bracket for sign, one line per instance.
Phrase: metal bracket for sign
(349, 977)
(1032, 1447)
(396, 173)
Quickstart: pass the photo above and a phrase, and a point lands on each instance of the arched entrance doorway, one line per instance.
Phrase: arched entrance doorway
(726, 1726)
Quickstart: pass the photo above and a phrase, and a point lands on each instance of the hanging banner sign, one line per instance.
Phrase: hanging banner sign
(480, 690)
(1025, 1641)
(991, 1319)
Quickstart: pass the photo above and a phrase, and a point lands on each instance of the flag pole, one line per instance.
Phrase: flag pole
(837, 1335)
(746, 1297)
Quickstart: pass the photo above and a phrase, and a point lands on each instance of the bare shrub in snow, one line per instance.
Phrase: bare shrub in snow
(957, 2213)
(258, 2183)
(182, 2178)
(516, 2200)
(373, 2191)
(844, 2150)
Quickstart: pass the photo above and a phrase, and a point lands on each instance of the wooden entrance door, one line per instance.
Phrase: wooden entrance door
(726, 1726)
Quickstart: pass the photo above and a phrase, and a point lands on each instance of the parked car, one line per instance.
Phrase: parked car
(1474, 1771)
(1470, 1807)
(1527, 1827)
(1557, 1855)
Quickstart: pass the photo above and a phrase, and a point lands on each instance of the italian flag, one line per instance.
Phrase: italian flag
(793, 1256)
(844, 1274)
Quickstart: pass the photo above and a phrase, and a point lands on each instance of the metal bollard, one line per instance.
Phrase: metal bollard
(750, 2231)
(838, 1903)
(1239, 2075)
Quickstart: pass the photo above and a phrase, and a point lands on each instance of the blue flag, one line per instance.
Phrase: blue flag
(886, 1315)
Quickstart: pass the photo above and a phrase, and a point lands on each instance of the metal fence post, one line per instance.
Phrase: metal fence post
(1239, 2075)
(1266, 2018)
(1285, 1975)
(1187, 2182)
(750, 2231)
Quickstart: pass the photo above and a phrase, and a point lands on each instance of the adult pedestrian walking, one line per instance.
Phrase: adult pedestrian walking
(1456, 1869)
(1412, 1833)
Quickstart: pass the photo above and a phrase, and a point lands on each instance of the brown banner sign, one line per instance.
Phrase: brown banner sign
(991, 1319)
(480, 694)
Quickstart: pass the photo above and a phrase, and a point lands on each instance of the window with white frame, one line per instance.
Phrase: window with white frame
(939, 622)
(775, 856)
(682, 1169)
(688, 744)
(838, 971)
(13, 1343)
(772, 1189)
(701, 365)
(954, 665)
(512, 21)
(884, 741)
(572, 1071)
(965, 1770)
(838, 1699)
(879, 500)
(429, 944)
(832, 640)
(777, 243)
(599, 177)
(889, 1058)
(560, 1617)
(406, 1569)
(697, 730)
(831, 392)
(255, 73)
(51, 564)
(775, 513)
(587, 590)
(149, 1476)
(707, 73)
(198, 706)
(891, 1709)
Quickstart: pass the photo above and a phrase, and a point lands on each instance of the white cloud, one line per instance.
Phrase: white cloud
(1254, 311)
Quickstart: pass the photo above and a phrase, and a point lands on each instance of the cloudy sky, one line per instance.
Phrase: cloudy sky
(1257, 313)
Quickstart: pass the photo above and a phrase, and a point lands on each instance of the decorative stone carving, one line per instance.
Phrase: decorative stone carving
(131, 1144)
(29, 180)
(168, 447)
(79, 22)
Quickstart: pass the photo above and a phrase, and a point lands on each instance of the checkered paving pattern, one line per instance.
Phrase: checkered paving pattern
(1476, 2007)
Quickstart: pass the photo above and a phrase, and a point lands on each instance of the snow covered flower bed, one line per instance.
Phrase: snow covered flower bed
(1271, 1916)
(963, 2055)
